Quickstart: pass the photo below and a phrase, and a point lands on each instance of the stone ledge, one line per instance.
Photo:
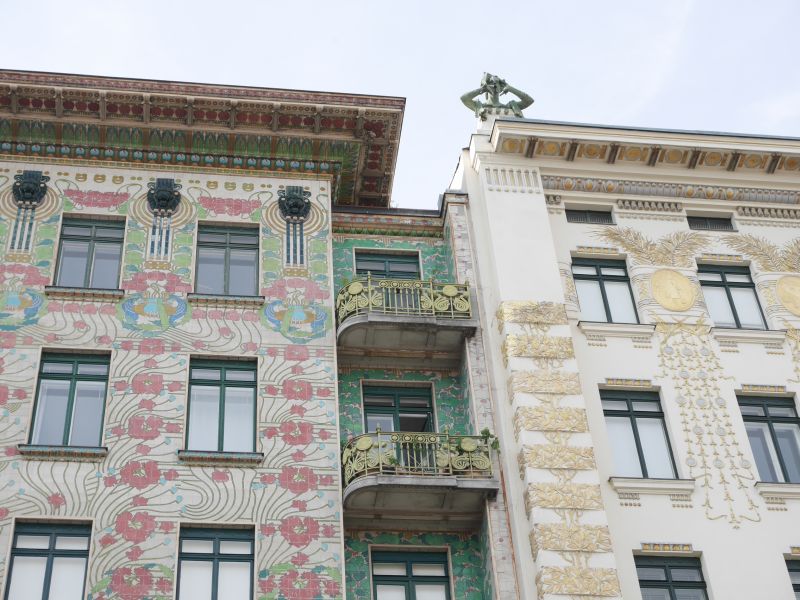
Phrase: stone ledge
(656, 487)
(70, 453)
(622, 330)
(203, 457)
(228, 301)
(72, 293)
(730, 337)
(769, 489)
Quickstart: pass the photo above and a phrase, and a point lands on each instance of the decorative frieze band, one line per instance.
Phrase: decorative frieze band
(767, 212)
(551, 456)
(559, 537)
(538, 346)
(578, 581)
(531, 313)
(579, 496)
(545, 382)
(543, 418)
(668, 547)
(669, 190)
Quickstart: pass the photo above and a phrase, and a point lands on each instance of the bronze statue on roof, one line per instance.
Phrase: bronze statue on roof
(493, 87)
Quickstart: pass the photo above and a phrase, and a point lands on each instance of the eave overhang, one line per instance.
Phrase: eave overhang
(351, 138)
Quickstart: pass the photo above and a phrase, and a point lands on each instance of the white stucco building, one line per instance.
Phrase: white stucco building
(640, 298)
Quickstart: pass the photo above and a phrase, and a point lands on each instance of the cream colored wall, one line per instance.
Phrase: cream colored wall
(741, 532)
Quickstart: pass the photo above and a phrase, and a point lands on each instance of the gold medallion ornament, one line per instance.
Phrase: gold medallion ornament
(672, 290)
(789, 293)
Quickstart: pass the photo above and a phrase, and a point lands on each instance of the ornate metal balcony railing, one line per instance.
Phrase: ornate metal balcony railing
(403, 297)
(429, 454)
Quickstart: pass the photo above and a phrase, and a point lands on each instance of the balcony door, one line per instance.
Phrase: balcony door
(401, 274)
(407, 409)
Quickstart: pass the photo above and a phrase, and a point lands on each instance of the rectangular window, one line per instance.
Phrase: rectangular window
(638, 434)
(227, 261)
(215, 564)
(598, 217)
(387, 266)
(406, 409)
(710, 223)
(89, 254)
(604, 291)
(70, 400)
(410, 576)
(794, 575)
(222, 406)
(730, 295)
(670, 578)
(773, 429)
(48, 562)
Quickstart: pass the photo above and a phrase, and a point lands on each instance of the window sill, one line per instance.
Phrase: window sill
(224, 300)
(731, 337)
(599, 331)
(204, 457)
(780, 491)
(653, 487)
(71, 293)
(71, 453)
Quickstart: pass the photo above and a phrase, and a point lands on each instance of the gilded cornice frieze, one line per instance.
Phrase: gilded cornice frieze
(666, 547)
(677, 249)
(669, 190)
(650, 205)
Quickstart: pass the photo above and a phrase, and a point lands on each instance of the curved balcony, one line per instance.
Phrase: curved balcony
(406, 320)
(397, 478)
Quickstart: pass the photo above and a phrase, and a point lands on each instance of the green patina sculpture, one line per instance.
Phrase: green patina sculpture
(493, 87)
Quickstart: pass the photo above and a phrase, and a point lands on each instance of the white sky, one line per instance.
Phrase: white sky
(720, 65)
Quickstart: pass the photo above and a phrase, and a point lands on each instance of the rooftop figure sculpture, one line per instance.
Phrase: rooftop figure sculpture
(493, 87)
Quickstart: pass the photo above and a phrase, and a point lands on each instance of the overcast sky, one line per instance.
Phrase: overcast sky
(721, 65)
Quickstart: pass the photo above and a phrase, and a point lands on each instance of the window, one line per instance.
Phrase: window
(227, 261)
(638, 435)
(387, 266)
(70, 400)
(222, 406)
(89, 254)
(48, 562)
(604, 291)
(599, 217)
(773, 429)
(668, 578)
(406, 409)
(731, 297)
(215, 564)
(794, 575)
(710, 223)
(410, 576)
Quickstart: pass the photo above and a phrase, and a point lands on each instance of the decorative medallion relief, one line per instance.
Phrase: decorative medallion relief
(788, 289)
(673, 290)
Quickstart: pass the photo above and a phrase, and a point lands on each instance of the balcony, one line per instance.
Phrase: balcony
(415, 323)
(397, 479)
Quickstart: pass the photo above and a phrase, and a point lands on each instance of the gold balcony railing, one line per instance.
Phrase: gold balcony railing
(429, 454)
(403, 297)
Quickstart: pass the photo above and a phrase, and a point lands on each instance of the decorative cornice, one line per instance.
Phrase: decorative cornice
(768, 212)
(355, 138)
(650, 205)
(669, 190)
(661, 547)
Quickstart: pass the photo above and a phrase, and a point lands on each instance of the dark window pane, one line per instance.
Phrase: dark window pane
(655, 594)
(203, 418)
(651, 573)
(414, 422)
(781, 411)
(754, 411)
(379, 400)
(212, 374)
(237, 375)
(690, 594)
(116, 233)
(239, 419)
(92, 369)
(77, 230)
(788, 435)
(215, 238)
(763, 451)
(57, 367)
(679, 574)
(384, 422)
